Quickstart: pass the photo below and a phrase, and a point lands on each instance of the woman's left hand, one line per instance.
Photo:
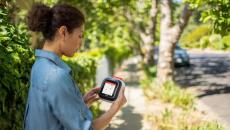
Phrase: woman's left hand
(91, 96)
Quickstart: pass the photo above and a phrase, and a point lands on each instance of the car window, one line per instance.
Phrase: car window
(178, 47)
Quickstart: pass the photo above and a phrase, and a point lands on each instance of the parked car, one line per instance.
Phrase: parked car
(181, 57)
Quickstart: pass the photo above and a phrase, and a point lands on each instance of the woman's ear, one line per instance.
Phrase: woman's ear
(63, 32)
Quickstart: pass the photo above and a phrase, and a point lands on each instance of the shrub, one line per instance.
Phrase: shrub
(191, 39)
(200, 38)
(226, 42)
(15, 62)
(204, 42)
(83, 70)
(215, 42)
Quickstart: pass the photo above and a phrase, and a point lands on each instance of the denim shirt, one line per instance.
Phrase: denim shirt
(54, 101)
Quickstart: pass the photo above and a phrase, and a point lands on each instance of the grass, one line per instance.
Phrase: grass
(182, 115)
(170, 120)
(168, 92)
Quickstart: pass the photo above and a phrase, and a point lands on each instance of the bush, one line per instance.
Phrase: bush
(15, 62)
(83, 67)
(215, 42)
(200, 38)
(226, 42)
(204, 42)
(191, 39)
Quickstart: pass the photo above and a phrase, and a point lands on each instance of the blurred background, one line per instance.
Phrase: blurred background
(174, 56)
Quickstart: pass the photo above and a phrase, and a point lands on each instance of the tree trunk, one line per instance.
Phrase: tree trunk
(147, 35)
(148, 38)
(169, 36)
(165, 66)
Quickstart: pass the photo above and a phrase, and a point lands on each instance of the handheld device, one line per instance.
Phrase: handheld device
(110, 88)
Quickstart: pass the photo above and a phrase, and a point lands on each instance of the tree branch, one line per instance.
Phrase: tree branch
(130, 18)
(153, 15)
(166, 11)
(183, 21)
(184, 17)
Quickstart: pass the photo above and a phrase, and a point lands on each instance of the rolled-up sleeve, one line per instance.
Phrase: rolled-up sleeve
(67, 104)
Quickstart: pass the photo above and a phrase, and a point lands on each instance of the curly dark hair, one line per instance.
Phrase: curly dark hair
(42, 18)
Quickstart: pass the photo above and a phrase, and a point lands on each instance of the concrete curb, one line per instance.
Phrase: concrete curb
(203, 107)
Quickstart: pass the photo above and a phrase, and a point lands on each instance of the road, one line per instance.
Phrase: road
(209, 74)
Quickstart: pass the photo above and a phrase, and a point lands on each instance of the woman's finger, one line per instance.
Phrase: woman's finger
(92, 97)
(92, 100)
(96, 89)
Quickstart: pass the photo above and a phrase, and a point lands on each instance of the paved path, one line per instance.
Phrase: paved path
(209, 74)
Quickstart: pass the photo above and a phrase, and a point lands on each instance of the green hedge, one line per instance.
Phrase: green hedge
(16, 59)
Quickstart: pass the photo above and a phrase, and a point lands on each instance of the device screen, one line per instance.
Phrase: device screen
(109, 88)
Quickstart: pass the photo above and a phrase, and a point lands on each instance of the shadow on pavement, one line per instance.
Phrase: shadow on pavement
(220, 90)
(132, 121)
(210, 71)
(133, 84)
(133, 78)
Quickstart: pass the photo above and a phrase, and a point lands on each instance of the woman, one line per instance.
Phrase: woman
(54, 102)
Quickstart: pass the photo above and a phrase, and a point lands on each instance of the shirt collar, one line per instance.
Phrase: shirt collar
(53, 57)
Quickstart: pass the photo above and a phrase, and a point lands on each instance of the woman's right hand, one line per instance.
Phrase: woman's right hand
(102, 122)
(121, 99)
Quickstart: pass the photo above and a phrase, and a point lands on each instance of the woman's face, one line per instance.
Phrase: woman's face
(72, 41)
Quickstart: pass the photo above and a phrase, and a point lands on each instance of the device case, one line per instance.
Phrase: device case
(119, 84)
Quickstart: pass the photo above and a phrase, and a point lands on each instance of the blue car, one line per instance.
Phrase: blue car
(181, 57)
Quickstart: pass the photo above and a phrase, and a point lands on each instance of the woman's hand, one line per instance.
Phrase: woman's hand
(102, 122)
(91, 96)
(121, 99)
